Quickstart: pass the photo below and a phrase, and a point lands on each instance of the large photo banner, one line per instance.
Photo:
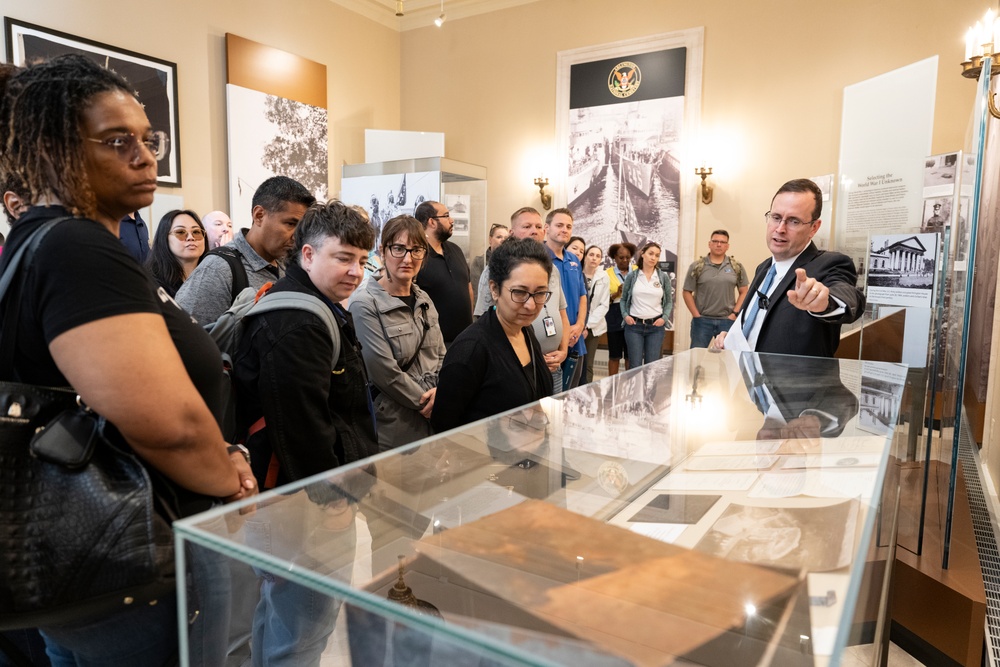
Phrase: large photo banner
(624, 110)
(626, 118)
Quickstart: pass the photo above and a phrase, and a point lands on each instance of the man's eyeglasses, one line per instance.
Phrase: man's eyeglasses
(127, 145)
(522, 296)
(438, 217)
(398, 250)
(495, 226)
(182, 234)
(791, 223)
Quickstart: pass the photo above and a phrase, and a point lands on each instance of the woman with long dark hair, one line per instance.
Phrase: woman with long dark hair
(646, 302)
(89, 317)
(178, 245)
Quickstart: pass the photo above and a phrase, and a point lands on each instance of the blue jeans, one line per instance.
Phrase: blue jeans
(644, 343)
(703, 329)
(292, 623)
(147, 635)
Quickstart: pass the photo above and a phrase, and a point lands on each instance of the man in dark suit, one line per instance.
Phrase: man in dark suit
(799, 298)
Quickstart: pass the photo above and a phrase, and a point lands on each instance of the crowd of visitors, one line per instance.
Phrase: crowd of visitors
(333, 372)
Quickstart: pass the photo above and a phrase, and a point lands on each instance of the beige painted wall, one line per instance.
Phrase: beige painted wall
(362, 60)
(774, 74)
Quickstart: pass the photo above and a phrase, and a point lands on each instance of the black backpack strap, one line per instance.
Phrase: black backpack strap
(234, 259)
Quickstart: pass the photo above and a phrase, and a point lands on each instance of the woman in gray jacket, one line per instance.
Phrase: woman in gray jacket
(401, 341)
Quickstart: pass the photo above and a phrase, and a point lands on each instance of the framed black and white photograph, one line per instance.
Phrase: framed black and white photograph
(154, 81)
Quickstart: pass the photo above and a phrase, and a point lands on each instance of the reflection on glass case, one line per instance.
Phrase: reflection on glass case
(709, 509)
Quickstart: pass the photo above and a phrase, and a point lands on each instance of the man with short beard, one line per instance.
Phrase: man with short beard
(445, 273)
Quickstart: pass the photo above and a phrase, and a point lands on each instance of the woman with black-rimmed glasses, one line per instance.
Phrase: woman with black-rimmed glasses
(87, 316)
(179, 244)
(496, 364)
(401, 340)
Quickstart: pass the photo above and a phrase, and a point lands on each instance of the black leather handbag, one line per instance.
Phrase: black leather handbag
(81, 531)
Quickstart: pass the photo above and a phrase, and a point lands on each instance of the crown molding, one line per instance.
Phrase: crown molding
(421, 13)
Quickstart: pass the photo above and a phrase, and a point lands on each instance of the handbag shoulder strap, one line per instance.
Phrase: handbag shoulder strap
(427, 325)
(24, 254)
(406, 366)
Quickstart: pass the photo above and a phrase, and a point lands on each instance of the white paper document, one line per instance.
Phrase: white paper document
(664, 532)
(749, 462)
(836, 461)
(852, 483)
(706, 481)
(740, 448)
(736, 341)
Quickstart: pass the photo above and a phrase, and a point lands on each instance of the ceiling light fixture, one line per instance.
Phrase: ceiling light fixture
(399, 7)
(439, 21)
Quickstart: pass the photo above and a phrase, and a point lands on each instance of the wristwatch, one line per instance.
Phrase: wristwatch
(232, 449)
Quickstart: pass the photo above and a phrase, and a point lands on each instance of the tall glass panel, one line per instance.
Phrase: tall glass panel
(960, 315)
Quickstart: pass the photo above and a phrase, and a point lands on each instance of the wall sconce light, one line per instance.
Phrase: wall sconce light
(706, 189)
(981, 42)
(541, 182)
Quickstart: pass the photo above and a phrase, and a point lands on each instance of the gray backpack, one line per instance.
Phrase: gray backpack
(228, 330)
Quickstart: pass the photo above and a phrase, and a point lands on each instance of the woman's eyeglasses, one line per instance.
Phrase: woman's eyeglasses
(127, 145)
(398, 250)
(522, 296)
(182, 234)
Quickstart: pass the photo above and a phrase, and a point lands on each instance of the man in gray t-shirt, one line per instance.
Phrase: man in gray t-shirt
(714, 289)
(551, 327)
(278, 205)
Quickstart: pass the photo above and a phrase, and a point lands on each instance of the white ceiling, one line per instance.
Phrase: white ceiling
(421, 13)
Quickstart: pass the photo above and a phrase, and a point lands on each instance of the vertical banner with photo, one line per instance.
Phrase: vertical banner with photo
(623, 111)
(273, 136)
(881, 158)
(277, 123)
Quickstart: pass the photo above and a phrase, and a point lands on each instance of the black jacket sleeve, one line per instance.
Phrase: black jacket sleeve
(294, 385)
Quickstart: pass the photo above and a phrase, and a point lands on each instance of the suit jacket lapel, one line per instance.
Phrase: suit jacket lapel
(787, 281)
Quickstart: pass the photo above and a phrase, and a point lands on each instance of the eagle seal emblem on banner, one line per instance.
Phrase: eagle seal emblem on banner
(624, 79)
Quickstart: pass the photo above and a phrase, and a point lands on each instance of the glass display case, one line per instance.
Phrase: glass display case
(458, 185)
(710, 509)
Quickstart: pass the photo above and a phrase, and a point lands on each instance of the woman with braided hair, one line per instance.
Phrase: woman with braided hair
(87, 316)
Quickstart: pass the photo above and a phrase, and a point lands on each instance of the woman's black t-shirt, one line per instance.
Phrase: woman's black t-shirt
(81, 273)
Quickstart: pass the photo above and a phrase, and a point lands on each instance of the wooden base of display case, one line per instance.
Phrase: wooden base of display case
(939, 614)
